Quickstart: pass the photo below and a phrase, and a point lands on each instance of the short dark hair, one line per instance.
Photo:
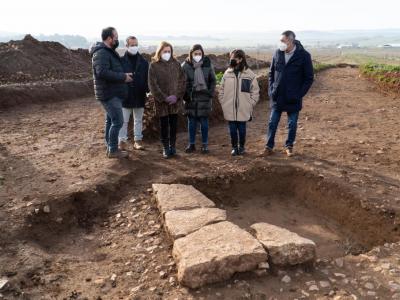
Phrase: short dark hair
(131, 37)
(107, 32)
(289, 34)
(195, 48)
(239, 53)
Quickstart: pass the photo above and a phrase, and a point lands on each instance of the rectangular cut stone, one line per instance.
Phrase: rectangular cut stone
(179, 223)
(179, 197)
(285, 248)
(214, 253)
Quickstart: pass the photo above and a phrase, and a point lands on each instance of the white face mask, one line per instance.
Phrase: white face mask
(197, 58)
(133, 50)
(166, 56)
(282, 46)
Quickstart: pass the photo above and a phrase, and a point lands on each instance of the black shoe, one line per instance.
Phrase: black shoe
(172, 150)
(241, 150)
(190, 149)
(166, 152)
(204, 149)
(235, 152)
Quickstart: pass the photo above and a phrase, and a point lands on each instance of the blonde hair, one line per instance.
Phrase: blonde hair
(163, 44)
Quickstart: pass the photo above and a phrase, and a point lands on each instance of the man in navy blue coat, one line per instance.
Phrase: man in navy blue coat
(291, 76)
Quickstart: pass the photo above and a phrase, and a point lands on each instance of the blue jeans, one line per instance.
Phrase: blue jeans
(192, 125)
(237, 128)
(114, 122)
(273, 126)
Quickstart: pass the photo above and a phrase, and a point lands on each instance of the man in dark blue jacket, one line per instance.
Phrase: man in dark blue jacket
(110, 87)
(134, 104)
(291, 76)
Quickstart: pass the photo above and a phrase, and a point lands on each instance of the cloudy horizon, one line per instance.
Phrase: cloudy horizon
(174, 18)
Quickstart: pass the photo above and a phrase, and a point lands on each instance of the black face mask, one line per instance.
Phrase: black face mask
(233, 63)
(115, 45)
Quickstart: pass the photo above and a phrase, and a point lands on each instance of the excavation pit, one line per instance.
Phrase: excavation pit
(323, 210)
(283, 215)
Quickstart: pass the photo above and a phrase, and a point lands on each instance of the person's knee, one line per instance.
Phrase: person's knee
(273, 124)
(118, 122)
(292, 123)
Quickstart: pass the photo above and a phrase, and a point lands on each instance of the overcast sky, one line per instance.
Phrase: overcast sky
(172, 17)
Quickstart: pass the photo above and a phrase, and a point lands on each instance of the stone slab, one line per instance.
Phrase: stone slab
(180, 223)
(179, 197)
(214, 253)
(285, 248)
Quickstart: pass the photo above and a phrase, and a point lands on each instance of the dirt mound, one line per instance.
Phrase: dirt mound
(13, 95)
(29, 60)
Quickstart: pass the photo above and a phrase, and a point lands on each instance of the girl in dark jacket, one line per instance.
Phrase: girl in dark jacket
(200, 86)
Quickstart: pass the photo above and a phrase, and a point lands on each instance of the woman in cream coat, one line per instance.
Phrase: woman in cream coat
(238, 95)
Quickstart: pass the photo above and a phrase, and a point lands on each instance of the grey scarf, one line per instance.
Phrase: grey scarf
(199, 83)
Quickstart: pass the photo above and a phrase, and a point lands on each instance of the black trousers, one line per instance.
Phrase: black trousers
(168, 126)
(237, 130)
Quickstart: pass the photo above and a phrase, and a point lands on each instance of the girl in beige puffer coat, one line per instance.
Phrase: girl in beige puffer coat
(238, 95)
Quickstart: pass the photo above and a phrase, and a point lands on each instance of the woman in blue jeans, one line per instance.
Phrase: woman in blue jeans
(238, 95)
(200, 86)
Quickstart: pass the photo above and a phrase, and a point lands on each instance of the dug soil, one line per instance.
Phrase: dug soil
(76, 225)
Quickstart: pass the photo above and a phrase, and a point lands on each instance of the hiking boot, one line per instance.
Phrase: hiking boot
(138, 145)
(190, 149)
(289, 151)
(204, 149)
(118, 154)
(123, 145)
(235, 151)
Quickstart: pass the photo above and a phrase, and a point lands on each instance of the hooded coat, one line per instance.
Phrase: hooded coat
(108, 73)
(289, 82)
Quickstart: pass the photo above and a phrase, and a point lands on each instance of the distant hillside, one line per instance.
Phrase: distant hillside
(228, 40)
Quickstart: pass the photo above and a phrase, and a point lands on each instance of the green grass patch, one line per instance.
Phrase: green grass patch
(319, 66)
(219, 75)
(387, 76)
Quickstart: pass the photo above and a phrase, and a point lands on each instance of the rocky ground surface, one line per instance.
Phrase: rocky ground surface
(75, 225)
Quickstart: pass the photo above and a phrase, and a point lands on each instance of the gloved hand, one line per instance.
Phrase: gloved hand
(171, 99)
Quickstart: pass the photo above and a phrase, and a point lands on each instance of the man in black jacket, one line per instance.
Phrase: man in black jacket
(110, 87)
(134, 104)
(291, 76)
